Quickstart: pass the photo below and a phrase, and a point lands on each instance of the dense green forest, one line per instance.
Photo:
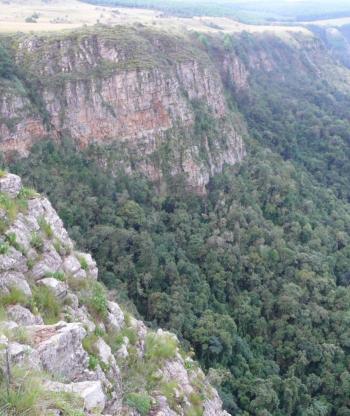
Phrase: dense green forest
(254, 275)
(249, 11)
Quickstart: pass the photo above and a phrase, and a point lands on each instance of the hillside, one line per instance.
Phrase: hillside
(65, 347)
(207, 174)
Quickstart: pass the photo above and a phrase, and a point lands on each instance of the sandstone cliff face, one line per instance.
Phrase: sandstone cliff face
(125, 86)
(72, 341)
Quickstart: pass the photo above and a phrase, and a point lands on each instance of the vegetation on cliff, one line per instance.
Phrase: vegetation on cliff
(254, 275)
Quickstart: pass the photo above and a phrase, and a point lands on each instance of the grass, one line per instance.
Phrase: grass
(47, 305)
(26, 396)
(96, 301)
(37, 242)
(4, 248)
(140, 401)
(57, 275)
(15, 296)
(28, 193)
(45, 227)
(83, 263)
(160, 347)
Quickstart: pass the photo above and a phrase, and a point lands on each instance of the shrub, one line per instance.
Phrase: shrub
(45, 227)
(30, 263)
(4, 247)
(12, 240)
(46, 303)
(58, 276)
(27, 193)
(140, 401)
(37, 242)
(89, 343)
(15, 296)
(97, 302)
(25, 395)
(93, 362)
(160, 347)
(83, 263)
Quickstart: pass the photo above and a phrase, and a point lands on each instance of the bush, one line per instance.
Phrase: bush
(58, 276)
(139, 401)
(27, 396)
(4, 247)
(12, 240)
(47, 304)
(97, 302)
(160, 347)
(45, 227)
(15, 296)
(83, 263)
(37, 242)
(27, 193)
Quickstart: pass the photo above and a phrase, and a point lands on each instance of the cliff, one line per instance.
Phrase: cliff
(130, 87)
(76, 346)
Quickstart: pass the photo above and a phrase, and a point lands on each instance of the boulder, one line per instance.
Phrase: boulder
(115, 317)
(91, 393)
(71, 265)
(24, 355)
(14, 280)
(49, 263)
(23, 316)
(92, 267)
(60, 348)
(11, 185)
(58, 288)
(13, 260)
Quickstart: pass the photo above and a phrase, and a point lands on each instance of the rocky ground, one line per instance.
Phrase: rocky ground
(62, 333)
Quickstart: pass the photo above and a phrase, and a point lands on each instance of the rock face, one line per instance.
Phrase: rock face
(60, 326)
(132, 87)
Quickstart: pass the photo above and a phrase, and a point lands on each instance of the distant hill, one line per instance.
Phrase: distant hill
(248, 11)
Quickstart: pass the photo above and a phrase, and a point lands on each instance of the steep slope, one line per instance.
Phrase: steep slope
(135, 88)
(80, 352)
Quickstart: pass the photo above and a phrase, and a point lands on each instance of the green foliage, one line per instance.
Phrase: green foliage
(45, 227)
(83, 263)
(58, 276)
(37, 242)
(97, 301)
(139, 401)
(6, 67)
(15, 296)
(25, 395)
(255, 274)
(47, 304)
(160, 347)
(4, 247)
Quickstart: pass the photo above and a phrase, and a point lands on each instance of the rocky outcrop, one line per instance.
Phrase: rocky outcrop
(61, 328)
(126, 86)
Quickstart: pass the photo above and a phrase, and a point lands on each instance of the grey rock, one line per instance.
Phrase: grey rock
(71, 265)
(60, 348)
(23, 316)
(92, 267)
(58, 288)
(50, 263)
(24, 355)
(11, 185)
(11, 280)
(90, 391)
(13, 260)
(115, 317)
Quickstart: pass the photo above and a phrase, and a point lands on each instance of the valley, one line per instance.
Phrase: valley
(204, 164)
